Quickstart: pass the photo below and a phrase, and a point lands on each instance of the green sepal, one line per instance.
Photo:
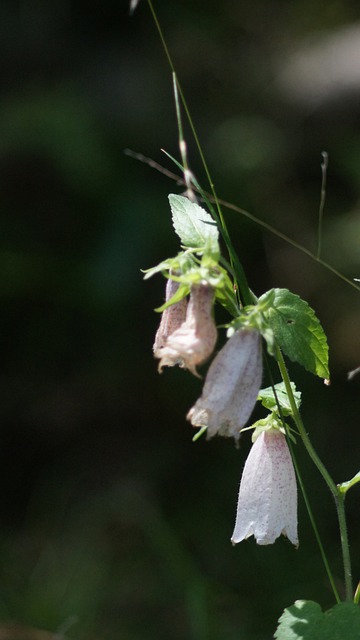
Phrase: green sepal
(271, 421)
(199, 433)
(345, 486)
(253, 317)
(304, 620)
(297, 330)
(180, 293)
(181, 263)
(226, 297)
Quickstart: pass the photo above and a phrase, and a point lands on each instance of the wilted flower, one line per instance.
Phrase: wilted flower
(171, 319)
(267, 504)
(231, 387)
(194, 341)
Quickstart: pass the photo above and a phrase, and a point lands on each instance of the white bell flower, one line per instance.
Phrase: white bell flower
(171, 319)
(267, 503)
(193, 342)
(231, 386)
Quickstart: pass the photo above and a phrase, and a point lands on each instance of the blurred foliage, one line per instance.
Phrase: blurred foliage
(113, 524)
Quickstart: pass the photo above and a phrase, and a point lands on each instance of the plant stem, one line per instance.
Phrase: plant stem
(340, 507)
(303, 490)
(313, 522)
(338, 496)
(324, 166)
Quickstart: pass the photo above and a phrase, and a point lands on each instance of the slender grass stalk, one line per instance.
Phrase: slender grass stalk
(288, 240)
(324, 166)
(243, 286)
(182, 145)
(250, 216)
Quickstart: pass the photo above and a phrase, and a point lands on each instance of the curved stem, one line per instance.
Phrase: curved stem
(313, 522)
(303, 490)
(300, 425)
(338, 496)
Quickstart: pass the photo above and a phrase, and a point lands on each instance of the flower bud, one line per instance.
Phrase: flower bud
(194, 341)
(267, 504)
(171, 318)
(231, 386)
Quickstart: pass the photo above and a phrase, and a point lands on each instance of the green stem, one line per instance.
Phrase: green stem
(303, 490)
(338, 496)
(313, 522)
(340, 507)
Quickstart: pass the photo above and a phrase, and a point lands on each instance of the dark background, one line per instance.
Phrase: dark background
(113, 523)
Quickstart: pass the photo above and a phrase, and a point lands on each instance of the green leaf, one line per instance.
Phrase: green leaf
(345, 486)
(304, 620)
(268, 400)
(194, 226)
(298, 331)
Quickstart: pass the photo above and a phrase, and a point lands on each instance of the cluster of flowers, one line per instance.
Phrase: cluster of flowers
(267, 503)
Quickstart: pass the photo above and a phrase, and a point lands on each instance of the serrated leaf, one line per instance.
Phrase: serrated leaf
(298, 331)
(305, 620)
(194, 226)
(268, 400)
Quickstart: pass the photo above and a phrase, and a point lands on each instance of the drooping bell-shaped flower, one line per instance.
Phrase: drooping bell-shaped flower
(231, 386)
(193, 342)
(267, 503)
(171, 319)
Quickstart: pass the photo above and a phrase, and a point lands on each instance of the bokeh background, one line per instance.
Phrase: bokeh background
(113, 524)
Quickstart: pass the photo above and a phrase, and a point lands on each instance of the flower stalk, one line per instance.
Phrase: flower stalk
(338, 496)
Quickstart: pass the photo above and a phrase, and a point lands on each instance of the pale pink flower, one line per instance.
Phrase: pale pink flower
(267, 504)
(171, 319)
(194, 341)
(231, 386)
